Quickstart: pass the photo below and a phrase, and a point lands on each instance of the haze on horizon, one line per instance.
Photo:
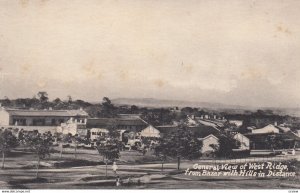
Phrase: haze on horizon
(232, 52)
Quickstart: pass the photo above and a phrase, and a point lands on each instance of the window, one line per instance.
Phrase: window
(53, 122)
(38, 122)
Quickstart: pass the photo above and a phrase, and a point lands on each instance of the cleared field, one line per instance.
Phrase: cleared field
(135, 170)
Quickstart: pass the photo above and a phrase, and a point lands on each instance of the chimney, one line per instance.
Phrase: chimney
(275, 123)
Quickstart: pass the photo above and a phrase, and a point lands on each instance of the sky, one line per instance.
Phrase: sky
(232, 52)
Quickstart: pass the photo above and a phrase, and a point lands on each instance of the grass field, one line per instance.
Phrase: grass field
(137, 171)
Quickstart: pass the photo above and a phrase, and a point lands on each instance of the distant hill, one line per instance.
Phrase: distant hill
(231, 109)
(151, 102)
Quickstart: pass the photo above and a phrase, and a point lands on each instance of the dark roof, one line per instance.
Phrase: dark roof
(200, 130)
(286, 136)
(106, 122)
(44, 113)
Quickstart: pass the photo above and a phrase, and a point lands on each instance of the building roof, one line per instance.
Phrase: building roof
(199, 130)
(106, 122)
(267, 129)
(208, 136)
(236, 136)
(52, 113)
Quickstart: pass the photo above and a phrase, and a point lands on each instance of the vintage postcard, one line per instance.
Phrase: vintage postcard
(148, 94)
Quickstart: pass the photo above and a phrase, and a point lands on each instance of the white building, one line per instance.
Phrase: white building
(73, 127)
(267, 129)
(237, 123)
(98, 132)
(150, 131)
(207, 142)
(27, 117)
(244, 141)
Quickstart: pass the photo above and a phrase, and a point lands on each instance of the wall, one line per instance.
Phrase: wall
(52, 129)
(4, 117)
(245, 142)
(207, 142)
(150, 132)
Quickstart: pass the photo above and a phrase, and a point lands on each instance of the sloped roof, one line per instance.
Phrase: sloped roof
(267, 129)
(283, 128)
(208, 136)
(52, 113)
(199, 130)
(106, 122)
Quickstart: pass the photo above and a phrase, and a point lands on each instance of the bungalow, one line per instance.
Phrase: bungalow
(267, 129)
(124, 123)
(121, 123)
(199, 130)
(26, 117)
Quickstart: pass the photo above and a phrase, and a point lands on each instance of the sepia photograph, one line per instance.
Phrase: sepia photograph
(149, 94)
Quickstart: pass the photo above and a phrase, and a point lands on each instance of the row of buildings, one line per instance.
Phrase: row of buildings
(78, 122)
(133, 126)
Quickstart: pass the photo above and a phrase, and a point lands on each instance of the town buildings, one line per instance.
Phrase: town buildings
(27, 117)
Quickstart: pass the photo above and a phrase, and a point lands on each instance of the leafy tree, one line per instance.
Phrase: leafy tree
(226, 145)
(134, 109)
(161, 151)
(63, 138)
(181, 143)
(69, 99)
(76, 139)
(6, 101)
(7, 142)
(109, 151)
(274, 142)
(57, 101)
(40, 144)
(43, 96)
(108, 109)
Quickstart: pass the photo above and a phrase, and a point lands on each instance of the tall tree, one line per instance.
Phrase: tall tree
(7, 142)
(76, 139)
(62, 139)
(69, 99)
(108, 109)
(226, 145)
(109, 151)
(40, 144)
(181, 143)
(43, 96)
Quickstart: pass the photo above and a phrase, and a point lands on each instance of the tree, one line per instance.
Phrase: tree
(226, 145)
(274, 142)
(40, 144)
(76, 139)
(43, 96)
(63, 138)
(134, 109)
(69, 99)
(109, 151)
(108, 109)
(6, 101)
(161, 151)
(7, 142)
(181, 143)
(57, 101)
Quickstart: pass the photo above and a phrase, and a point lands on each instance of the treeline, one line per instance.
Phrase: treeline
(105, 108)
(154, 116)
